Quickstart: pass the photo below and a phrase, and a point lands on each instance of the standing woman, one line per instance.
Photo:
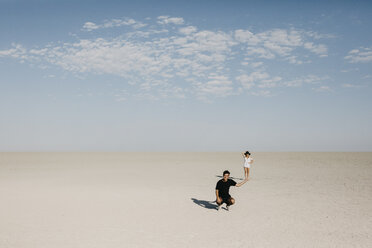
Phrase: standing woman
(248, 160)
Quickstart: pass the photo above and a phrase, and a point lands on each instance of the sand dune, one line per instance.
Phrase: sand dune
(166, 200)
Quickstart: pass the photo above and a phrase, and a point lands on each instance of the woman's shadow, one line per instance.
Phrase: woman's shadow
(205, 204)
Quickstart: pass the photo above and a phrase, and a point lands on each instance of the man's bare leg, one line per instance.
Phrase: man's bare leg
(230, 202)
(219, 202)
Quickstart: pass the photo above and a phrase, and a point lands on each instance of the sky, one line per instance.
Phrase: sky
(185, 75)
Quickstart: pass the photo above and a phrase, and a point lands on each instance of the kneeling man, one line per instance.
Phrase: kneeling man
(222, 190)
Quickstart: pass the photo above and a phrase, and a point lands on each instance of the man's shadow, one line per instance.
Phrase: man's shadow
(205, 204)
(237, 178)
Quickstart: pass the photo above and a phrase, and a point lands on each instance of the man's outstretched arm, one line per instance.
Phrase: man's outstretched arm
(216, 193)
(241, 183)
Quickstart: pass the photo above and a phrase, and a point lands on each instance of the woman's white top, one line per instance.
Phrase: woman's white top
(247, 162)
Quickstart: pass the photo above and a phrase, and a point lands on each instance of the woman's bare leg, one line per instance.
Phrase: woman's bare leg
(246, 172)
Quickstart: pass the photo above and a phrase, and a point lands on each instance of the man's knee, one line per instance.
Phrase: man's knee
(219, 200)
(231, 201)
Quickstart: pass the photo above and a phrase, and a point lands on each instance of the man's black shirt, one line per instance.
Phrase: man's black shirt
(223, 188)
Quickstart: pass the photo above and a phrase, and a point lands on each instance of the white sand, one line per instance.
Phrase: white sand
(108, 200)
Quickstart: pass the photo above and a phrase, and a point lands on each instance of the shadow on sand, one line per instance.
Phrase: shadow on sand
(237, 178)
(205, 204)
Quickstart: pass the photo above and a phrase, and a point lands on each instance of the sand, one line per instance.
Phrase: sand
(108, 200)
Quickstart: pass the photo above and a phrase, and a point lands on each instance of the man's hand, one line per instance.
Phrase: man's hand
(241, 183)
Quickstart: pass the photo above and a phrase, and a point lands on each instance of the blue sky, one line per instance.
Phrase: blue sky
(185, 76)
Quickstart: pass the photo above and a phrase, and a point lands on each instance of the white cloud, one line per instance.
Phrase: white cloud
(188, 30)
(282, 37)
(363, 55)
(258, 78)
(322, 88)
(256, 64)
(318, 36)
(260, 52)
(281, 50)
(143, 62)
(245, 81)
(39, 52)
(170, 20)
(278, 42)
(309, 79)
(293, 60)
(217, 85)
(221, 91)
(89, 26)
(246, 36)
(180, 62)
(254, 76)
(17, 51)
(212, 89)
(269, 82)
(318, 49)
(350, 86)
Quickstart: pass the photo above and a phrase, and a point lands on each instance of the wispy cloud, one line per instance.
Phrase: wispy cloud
(217, 85)
(170, 20)
(363, 54)
(280, 43)
(322, 88)
(259, 79)
(17, 51)
(188, 30)
(308, 79)
(351, 86)
(166, 62)
(89, 26)
(320, 49)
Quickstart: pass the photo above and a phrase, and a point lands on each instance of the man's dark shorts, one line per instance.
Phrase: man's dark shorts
(227, 200)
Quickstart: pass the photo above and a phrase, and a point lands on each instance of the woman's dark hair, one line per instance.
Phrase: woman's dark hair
(247, 153)
(226, 172)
